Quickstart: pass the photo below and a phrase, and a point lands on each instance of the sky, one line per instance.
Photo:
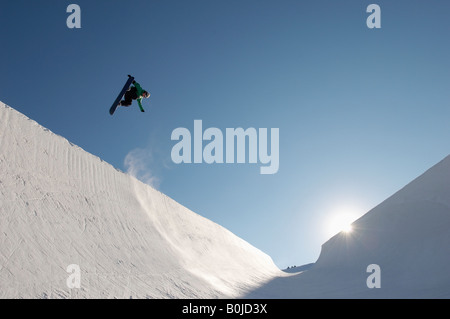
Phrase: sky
(361, 112)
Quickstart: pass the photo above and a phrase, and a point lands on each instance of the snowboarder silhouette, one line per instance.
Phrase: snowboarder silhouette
(134, 93)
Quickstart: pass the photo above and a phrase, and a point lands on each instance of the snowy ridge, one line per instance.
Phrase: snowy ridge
(407, 236)
(60, 205)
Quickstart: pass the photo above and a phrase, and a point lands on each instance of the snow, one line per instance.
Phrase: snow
(60, 206)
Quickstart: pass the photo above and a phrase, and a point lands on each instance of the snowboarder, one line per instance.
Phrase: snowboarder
(134, 93)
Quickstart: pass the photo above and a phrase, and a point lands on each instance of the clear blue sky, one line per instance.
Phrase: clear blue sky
(361, 112)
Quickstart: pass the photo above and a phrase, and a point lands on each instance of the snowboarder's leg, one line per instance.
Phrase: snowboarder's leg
(124, 103)
(127, 99)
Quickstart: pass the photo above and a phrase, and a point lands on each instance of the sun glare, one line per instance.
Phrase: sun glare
(340, 222)
(347, 228)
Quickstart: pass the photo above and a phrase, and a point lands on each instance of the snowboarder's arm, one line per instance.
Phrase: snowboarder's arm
(140, 104)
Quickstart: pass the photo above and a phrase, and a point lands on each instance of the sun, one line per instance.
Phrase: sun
(346, 228)
(341, 221)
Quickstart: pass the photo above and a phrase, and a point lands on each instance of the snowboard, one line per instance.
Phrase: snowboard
(121, 94)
